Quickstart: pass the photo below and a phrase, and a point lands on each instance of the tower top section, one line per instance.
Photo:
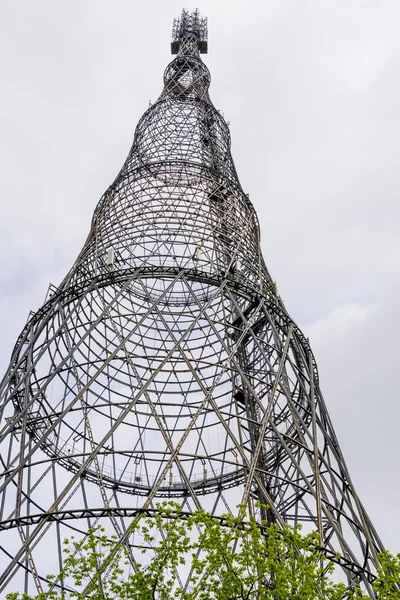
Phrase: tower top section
(191, 25)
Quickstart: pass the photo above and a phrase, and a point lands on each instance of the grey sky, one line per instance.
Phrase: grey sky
(312, 93)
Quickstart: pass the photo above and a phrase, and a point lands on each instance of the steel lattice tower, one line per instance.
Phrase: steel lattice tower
(165, 365)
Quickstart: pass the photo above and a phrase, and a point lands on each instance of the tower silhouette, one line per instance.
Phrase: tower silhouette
(165, 365)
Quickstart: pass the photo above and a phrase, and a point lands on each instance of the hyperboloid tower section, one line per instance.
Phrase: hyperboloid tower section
(165, 365)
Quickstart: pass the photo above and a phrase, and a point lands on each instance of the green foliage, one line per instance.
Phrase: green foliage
(230, 560)
(385, 586)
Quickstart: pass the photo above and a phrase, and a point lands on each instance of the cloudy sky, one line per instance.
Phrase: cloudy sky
(311, 89)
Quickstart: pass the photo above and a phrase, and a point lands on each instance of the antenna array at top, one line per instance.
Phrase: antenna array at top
(190, 24)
